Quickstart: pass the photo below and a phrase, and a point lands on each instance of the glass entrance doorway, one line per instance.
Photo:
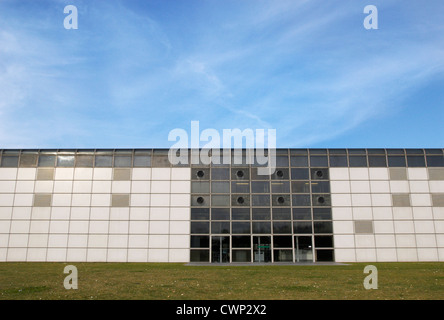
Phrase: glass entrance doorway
(220, 249)
(262, 248)
(303, 249)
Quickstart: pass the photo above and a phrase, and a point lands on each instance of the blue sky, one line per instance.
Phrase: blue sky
(135, 70)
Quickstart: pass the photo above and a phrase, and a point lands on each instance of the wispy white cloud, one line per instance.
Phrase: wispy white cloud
(134, 71)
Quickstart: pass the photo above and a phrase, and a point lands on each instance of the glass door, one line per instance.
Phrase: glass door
(262, 248)
(220, 249)
(303, 249)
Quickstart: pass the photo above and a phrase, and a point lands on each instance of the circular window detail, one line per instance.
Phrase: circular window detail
(240, 200)
(200, 173)
(240, 174)
(319, 174)
(200, 200)
(280, 200)
(321, 200)
(280, 173)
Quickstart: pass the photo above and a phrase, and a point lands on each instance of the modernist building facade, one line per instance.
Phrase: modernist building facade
(133, 205)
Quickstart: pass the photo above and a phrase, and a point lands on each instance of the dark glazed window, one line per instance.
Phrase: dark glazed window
(220, 227)
(324, 255)
(301, 213)
(200, 214)
(240, 227)
(323, 227)
(414, 151)
(280, 174)
(321, 213)
(261, 214)
(396, 161)
(280, 187)
(28, 160)
(395, 151)
(282, 242)
(241, 241)
(122, 161)
(435, 161)
(65, 161)
(259, 200)
(377, 161)
(240, 214)
(321, 200)
(47, 160)
(301, 200)
(220, 173)
(104, 161)
(338, 161)
(300, 174)
(376, 151)
(260, 187)
(337, 151)
(319, 174)
(160, 161)
(220, 200)
(302, 227)
(416, 161)
(220, 214)
(220, 187)
(281, 161)
(10, 161)
(199, 255)
(281, 214)
(142, 161)
(281, 227)
(300, 187)
(200, 241)
(318, 161)
(356, 151)
(85, 161)
(320, 187)
(200, 187)
(324, 241)
(299, 161)
(200, 227)
(261, 227)
(240, 187)
(357, 161)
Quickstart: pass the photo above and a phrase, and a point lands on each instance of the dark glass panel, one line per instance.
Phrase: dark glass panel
(261, 227)
(318, 161)
(200, 241)
(200, 214)
(301, 213)
(416, 161)
(200, 227)
(241, 241)
(322, 214)
(300, 174)
(281, 227)
(338, 161)
(299, 161)
(220, 227)
(240, 214)
(220, 214)
(377, 161)
(260, 214)
(357, 161)
(302, 227)
(281, 214)
(396, 161)
(240, 227)
(282, 242)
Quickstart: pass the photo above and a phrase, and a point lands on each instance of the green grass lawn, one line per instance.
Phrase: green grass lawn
(161, 281)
